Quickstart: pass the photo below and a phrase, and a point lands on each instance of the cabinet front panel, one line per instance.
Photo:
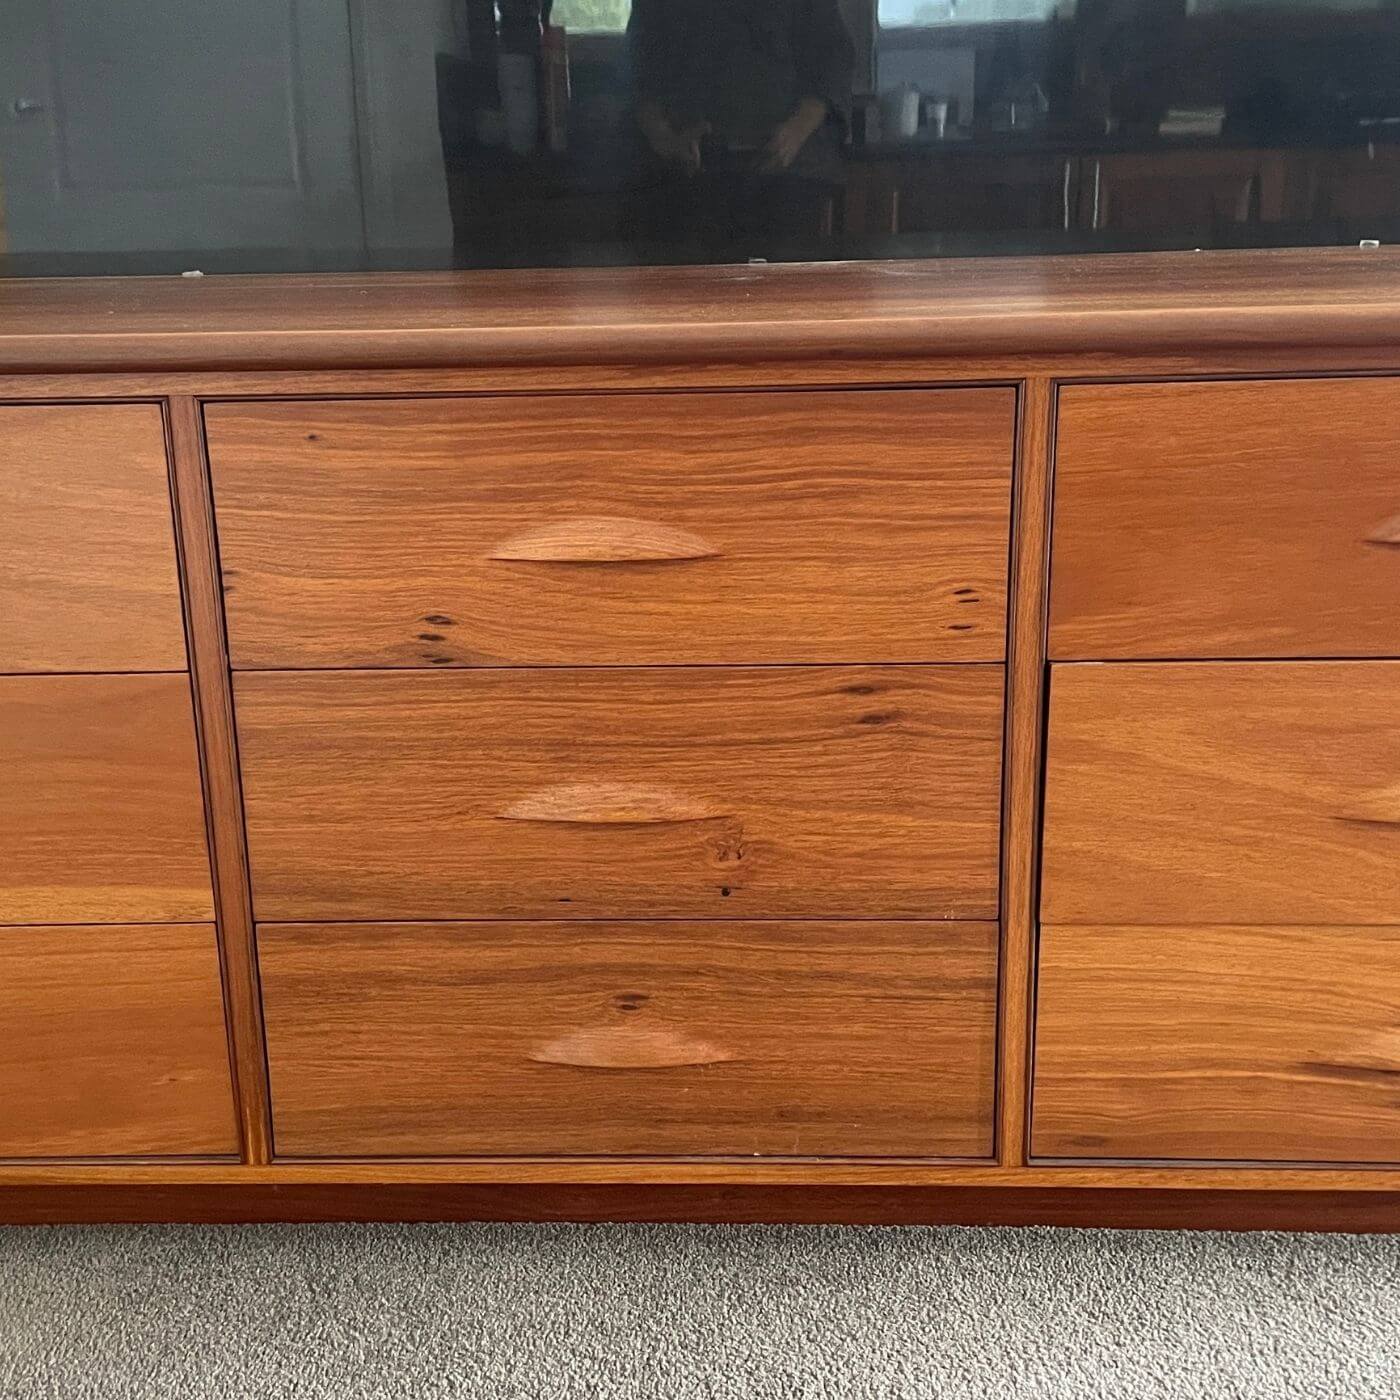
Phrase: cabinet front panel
(1276, 1044)
(1227, 520)
(628, 529)
(715, 1039)
(101, 814)
(700, 792)
(1203, 192)
(87, 546)
(112, 1043)
(1223, 793)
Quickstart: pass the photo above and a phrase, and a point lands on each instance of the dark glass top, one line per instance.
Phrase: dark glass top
(304, 135)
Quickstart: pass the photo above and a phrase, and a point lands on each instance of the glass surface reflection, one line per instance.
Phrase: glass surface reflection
(307, 134)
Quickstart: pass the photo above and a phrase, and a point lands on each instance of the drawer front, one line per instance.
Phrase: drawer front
(1227, 520)
(101, 815)
(716, 1039)
(1223, 793)
(112, 1043)
(773, 792)
(632, 529)
(1250, 1044)
(87, 546)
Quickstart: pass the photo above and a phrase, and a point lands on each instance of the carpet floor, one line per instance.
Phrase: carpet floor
(555, 1312)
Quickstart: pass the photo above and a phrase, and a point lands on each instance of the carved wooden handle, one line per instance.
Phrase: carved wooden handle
(609, 804)
(603, 539)
(1387, 532)
(1380, 807)
(629, 1047)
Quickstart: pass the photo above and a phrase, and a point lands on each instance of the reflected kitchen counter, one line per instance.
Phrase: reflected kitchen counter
(1201, 187)
(1173, 191)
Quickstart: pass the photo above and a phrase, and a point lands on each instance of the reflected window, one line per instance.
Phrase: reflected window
(895, 14)
(591, 16)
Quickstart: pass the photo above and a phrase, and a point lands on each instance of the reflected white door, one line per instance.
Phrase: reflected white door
(178, 124)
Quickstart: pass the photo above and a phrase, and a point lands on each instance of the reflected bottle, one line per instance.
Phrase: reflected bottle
(518, 67)
(554, 84)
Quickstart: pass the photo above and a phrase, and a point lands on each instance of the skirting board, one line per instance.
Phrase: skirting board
(853, 1205)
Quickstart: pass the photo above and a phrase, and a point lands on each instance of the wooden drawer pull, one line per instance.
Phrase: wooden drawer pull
(1380, 807)
(609, 804)
(629, 1047)
(603, 539)
(1387, 532)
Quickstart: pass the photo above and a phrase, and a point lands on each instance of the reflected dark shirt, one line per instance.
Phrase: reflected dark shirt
(743, 66)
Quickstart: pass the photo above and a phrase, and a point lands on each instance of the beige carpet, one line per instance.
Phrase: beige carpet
(744, 1313)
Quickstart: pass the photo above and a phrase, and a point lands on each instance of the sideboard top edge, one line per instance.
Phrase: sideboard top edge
(1118, 303)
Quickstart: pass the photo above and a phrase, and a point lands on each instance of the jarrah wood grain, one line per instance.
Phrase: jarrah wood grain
(1227, 520)
(792, 1040)
(101, 816)
(1226, 792)
(113, 1043)
(633, 529)
(87, 550)
(701, 792)
(1209, 1043)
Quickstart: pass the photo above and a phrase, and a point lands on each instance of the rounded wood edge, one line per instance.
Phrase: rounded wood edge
(1046, 333)
(1174, 301)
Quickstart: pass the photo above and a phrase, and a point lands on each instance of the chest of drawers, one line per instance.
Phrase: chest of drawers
(824, 749)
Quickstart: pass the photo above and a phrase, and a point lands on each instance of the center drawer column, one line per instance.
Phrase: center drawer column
(622, 771)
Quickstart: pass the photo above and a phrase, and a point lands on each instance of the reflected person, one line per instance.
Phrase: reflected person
(744, 106)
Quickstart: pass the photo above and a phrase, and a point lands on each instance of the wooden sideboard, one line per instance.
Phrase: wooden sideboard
(887, 742)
